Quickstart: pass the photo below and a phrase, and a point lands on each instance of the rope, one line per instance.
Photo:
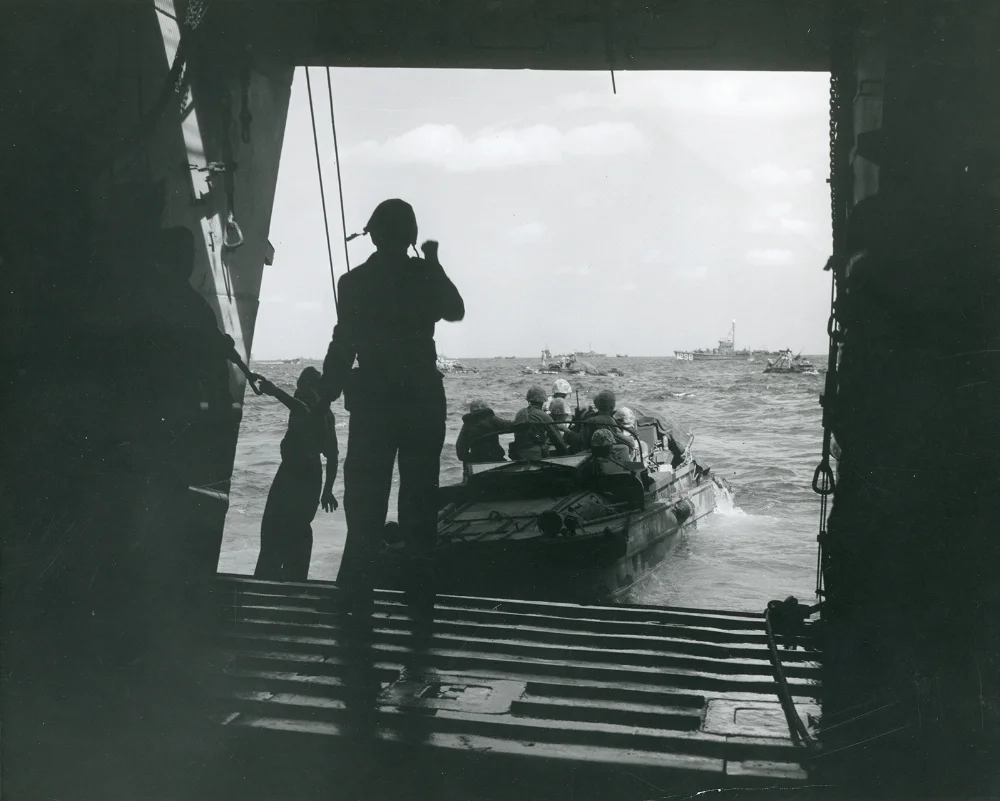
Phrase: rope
(322, 192)
(336, 157)
(795, 724)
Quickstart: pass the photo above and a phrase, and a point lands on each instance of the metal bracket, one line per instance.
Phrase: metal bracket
(215, 167)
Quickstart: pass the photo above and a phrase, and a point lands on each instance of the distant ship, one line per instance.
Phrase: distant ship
(567, 364)
(787, 363)
(726, 352)
(446, 365)
(588, 354)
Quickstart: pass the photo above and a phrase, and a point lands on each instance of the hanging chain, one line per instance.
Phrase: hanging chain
(841, 112)
(194, 15)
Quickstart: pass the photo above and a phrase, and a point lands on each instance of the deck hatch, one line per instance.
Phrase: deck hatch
(459, 693)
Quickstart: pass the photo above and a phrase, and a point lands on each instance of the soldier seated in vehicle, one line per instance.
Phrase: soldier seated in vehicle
(479, 439)
(628, 433)
(541, 437)
(603, 417)
(560, 390)
(560, 414)
(610, 456)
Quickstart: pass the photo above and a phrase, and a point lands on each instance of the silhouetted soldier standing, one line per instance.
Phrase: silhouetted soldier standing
(388, 308)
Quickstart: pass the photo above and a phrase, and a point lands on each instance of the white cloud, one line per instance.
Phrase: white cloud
(780, 225)
(773, 175)
(777, 218)
(779, 209)
(657, 257)
(653, 256)
(529, 232)
(770, 257)
(795, 226)
(573, 270)
(695, 273)
(447, 147)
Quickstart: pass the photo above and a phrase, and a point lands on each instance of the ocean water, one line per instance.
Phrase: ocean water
(762, 433)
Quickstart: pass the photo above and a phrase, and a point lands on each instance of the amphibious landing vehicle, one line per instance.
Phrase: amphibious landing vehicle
(567, 528)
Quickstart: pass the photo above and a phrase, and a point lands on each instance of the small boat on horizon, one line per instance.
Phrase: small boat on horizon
(446, 365)
(552, 365)
(787, 364)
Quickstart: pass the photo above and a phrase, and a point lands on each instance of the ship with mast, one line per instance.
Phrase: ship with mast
(726, 351)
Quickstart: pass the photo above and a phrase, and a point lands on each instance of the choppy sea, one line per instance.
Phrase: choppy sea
(762, 433)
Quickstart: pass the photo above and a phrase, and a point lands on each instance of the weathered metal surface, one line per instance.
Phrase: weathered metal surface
(682, 695)
(541, 34)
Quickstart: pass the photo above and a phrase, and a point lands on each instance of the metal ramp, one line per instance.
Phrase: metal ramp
(496, 698)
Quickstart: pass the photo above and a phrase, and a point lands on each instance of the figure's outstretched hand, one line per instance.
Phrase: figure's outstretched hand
(329, 502)
(266, 387)
(430, 250)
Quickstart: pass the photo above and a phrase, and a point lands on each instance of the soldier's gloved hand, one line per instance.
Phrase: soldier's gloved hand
(430, 249)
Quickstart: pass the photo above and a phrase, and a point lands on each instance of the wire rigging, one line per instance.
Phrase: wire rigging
(322, 192)
(336, 157)
(609, 45)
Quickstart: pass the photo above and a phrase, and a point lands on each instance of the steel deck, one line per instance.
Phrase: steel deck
(495, 698)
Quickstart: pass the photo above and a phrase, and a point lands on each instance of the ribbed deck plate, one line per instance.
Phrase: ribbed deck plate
(510, 697)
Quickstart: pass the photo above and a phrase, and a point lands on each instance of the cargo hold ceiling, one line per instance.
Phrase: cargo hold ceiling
(766, 35)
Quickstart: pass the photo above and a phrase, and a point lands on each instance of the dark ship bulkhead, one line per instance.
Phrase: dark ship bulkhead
(122, 119)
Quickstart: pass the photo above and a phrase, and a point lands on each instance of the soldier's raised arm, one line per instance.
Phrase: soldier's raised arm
(449, 301)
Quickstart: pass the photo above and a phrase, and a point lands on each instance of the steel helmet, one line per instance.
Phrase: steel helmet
(605, 401)
(535, 395)
(625, 416)
(558, 407)
(394, 220)
(561, 387)
(602, 439)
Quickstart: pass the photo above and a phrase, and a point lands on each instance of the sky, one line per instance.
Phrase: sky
(569, 217)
